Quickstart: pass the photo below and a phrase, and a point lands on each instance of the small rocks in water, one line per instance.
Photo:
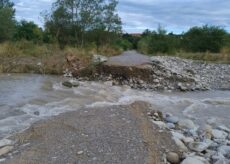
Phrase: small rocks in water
(5, 150)
(37, 113)
(172, 119)
(173, 157)
(67, 84)
(75, 84)
(186, 124)
(198, 146)
(181, 145)
(212, 121)
(195, 160)
(70, 84)
(109, 83)
(218, 134)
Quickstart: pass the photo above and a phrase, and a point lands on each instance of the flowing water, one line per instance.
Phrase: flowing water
(25, 99)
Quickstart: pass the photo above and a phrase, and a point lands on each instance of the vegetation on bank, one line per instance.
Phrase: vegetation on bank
(71, 26)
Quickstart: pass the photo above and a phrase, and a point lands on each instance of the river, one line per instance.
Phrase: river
(27, 98)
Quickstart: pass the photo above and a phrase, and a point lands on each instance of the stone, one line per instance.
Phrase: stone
(222, 161)
(187, 140)
(37, 113)
(218, 134)
(6, 150)
(186, 124)
(212, 121)
(67, 84)
(160, 124)
(170, 126)
(198, 146)
(225, 150)
(75, 84)
(173, 157)
(6, 142)
(109, 83)
(99, 58)
(194, 160)
(224, 128)
(180, 145)
(80, 152)
(172, 119)
(177, 135)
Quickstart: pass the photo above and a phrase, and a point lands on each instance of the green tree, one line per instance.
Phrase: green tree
(76, 21)
(28, 31)
(7, 20)
(206, 38)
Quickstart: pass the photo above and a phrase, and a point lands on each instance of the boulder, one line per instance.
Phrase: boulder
(225, 150)
(186, 124)
(198, 146)
(180, 145)
(224, 128)
(194, 160)
(67, 84)
(218, 134)
(6, 150)
(173, 158)
(172, 119)
(6, 142)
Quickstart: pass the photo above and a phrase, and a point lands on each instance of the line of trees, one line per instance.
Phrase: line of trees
(69, 22)
(196, 39)
(81, 23)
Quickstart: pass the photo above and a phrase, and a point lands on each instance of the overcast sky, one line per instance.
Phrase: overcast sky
(137, 15)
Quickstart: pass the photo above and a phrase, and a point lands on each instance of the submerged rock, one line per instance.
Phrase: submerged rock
(67, 84)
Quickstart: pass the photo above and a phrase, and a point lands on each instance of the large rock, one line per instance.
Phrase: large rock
(218, 134)
(180, 145)
(186, 124)
(173, 158)
(199, 146)
(6, 150)
(172, 119)
(225, 150)
(195, 160)
(6, 142)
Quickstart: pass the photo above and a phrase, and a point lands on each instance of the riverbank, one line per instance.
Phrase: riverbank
(130, 68)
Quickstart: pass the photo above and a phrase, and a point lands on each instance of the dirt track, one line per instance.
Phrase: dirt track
(116, 134)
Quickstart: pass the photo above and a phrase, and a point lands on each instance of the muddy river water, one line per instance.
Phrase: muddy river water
(26, 98)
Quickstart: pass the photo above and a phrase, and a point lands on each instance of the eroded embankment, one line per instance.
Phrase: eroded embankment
(158, 73)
